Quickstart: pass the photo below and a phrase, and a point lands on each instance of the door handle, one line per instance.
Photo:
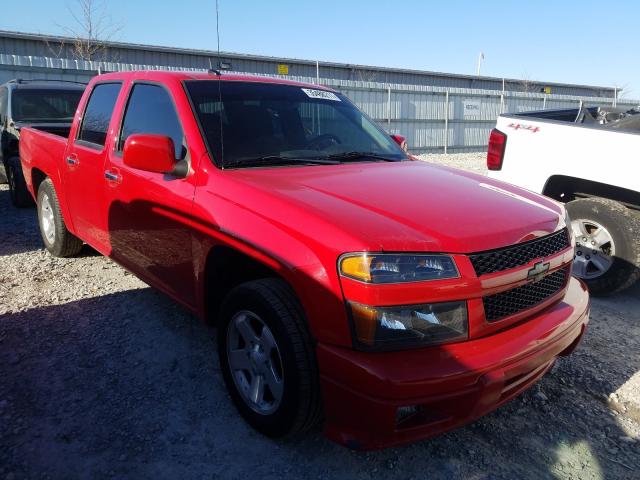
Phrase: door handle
(112, 176)
(72, 160)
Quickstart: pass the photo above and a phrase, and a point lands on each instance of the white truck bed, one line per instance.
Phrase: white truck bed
(537, 149)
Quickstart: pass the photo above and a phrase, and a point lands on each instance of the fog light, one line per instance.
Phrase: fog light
(403, 413)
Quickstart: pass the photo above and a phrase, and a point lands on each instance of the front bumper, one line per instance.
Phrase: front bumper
(451, 384)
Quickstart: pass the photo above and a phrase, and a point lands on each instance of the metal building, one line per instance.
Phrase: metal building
(436, 112)
(36, 45)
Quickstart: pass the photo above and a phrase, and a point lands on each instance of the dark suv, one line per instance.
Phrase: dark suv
(47, 105)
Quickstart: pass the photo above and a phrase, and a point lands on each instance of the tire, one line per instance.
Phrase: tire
(57, 239)
(3, 173)
(275, 306)
(593, 221)
(20, 196)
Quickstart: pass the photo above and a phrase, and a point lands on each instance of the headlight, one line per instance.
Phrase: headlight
(409, 326)
(391, 268)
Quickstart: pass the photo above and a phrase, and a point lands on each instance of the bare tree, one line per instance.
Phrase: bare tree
(526, 84)
(365, 75)
(93, 28)
(55, 48)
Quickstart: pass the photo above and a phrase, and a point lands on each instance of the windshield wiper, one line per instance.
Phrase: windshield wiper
(272, 160)
(358, 156)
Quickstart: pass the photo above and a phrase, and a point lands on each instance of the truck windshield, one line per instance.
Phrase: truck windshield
(44, 105)
(266, 124)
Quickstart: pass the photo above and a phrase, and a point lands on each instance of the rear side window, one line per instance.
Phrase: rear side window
(151, 110)
(97, 115)
(44, 105)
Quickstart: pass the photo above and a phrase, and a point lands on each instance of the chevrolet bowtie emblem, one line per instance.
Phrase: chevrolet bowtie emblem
(537, 272)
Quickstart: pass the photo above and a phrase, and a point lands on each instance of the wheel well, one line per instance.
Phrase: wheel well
(565, 189)
(37, 177)
(225, 269)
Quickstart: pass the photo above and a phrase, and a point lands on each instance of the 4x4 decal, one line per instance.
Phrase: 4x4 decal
(522, 126)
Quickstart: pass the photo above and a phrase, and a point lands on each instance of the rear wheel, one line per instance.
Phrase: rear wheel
(20, 196)
(3, 173)
(57, 239)
(267, 359)
(607, 244)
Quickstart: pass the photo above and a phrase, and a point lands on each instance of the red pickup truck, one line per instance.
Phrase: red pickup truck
(392, 298)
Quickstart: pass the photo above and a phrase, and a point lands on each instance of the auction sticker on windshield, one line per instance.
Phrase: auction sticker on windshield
(321, 94)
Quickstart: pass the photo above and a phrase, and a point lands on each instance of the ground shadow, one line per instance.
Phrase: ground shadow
(18, 227)
(19, 231)
(128, 385)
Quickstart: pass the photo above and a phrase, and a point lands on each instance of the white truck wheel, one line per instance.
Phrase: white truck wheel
(607, 244)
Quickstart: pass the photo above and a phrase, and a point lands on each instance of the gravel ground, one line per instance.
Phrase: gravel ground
(103, 377)
(474, 162)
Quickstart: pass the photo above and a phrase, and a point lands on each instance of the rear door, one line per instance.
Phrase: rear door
(148, 212)
(83, 168)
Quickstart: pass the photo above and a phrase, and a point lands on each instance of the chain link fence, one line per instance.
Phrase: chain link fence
(434, 119)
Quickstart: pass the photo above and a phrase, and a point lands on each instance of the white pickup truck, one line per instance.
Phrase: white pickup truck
(588, 158)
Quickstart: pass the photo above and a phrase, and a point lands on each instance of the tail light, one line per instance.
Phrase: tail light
(495, 153)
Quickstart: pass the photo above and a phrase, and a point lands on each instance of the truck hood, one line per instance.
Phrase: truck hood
(406, 206)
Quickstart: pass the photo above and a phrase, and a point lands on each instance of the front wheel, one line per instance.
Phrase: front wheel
(20, 196)
(607, 253)
(267, 359)
(59, 241)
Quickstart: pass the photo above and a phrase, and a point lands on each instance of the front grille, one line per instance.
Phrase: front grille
(514, 301)
(521, 254)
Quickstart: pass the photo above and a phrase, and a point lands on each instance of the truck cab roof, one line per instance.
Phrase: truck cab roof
(162, 76)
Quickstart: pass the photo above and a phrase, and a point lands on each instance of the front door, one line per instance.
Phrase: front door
(148, 212)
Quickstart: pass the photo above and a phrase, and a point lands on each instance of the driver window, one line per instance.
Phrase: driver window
(150, 110)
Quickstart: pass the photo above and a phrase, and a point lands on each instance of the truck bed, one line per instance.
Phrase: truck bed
(48, 148)
(544, 144)
(61, 130)
(595, 117)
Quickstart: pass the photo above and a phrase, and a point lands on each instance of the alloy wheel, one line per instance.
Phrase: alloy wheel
(255, 362)
(46, 219)
(11, 181)
(595, 249)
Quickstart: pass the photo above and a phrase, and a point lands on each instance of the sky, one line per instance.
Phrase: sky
(584, 42)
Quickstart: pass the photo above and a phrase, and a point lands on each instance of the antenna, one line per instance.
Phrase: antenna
(218, 29)
(217, 72)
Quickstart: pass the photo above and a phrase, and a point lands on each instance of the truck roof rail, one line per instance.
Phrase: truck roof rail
(29, 80)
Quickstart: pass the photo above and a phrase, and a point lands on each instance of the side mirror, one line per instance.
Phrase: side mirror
(151, 153)
(400, 140)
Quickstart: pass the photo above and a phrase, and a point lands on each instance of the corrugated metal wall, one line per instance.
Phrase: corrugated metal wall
(433, 118)
(25, 44)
